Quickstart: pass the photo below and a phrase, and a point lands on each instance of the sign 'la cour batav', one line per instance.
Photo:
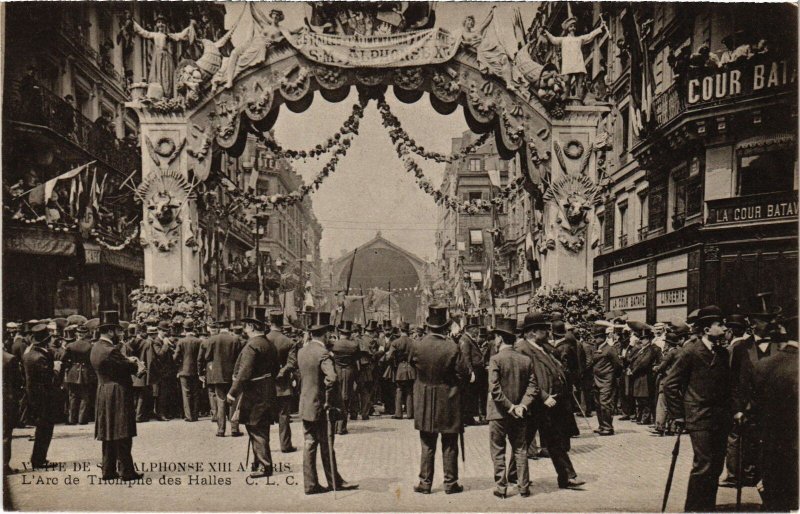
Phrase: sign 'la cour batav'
(753, 208)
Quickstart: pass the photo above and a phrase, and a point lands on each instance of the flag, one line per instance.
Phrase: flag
(473, 296)
(253, 185)
(494, 177)
(519, 28)
(93, 191)
(531, 252)
(642, 81)
(459, 294)
(50, 185)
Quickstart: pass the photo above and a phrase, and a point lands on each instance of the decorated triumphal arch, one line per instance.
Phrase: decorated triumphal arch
(210, 105)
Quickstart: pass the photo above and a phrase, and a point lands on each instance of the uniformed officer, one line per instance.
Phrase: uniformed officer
(287, 361)
(187, 353)
(115, 422)
(43, 405)
(442, 373)
(255, 381)
(345, 359)
(317, 399)
(512, 391)
(365, 382)
(405, 374)
(80, 376)
(606, 366)
(698, 394)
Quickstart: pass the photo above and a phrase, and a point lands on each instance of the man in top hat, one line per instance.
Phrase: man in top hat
(512, 391)
(476, 391)
(317, 400)
(187, 356)
(698, 393)
(606, 366)
(115, 422)
(552, 413)
(254, 379)
(345, 360)
(43, 397)
(365, 382)
(744, 353)
(775, 416)
(642, 372)
(405, 374)
(220, 355)
(80, 376)
(287, 361)
(442, 373)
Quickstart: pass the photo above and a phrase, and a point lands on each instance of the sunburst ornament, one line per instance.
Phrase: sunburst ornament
(163, 194)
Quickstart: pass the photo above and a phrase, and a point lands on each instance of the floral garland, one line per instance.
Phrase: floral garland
(74, 227)
(108, 246)
(154, 304)
(398, 133)
(350, 126)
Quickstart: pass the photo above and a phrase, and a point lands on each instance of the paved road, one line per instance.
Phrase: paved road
(622, 473)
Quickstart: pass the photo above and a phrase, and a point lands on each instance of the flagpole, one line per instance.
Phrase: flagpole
(390, 301)
(363, 308)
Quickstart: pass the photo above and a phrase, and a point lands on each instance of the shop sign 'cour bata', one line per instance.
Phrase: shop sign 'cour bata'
(751, 77)
(764, 207)
(431, 46)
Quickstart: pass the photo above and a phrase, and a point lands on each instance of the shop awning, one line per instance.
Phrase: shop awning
(38, 241)
(765, 142)
(122, 259)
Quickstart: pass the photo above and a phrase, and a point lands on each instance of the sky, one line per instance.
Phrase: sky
(371, 191)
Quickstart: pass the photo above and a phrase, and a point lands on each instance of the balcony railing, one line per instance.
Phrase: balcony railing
(668, 105)
(623, 240)
(643, 232)
(39, 106)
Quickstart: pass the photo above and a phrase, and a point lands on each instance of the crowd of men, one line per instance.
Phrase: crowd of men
(730, 381)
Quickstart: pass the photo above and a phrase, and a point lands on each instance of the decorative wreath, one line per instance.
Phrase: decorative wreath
(574, 149)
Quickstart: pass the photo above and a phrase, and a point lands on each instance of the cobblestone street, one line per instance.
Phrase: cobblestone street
(626, 472)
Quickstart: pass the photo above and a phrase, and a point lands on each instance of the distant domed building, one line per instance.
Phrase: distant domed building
(379, 266)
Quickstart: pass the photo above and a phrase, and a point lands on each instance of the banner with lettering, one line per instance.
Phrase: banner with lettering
(430, 46)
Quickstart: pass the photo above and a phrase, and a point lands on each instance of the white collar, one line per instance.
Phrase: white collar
(708, 344)
(104, 338)
(319, 343)
(535, 345)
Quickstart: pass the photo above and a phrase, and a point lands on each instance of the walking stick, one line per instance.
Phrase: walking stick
(739, 467)
(675, 451)
(330, 449)
(461, 441)
(583, 413)
(247, 459)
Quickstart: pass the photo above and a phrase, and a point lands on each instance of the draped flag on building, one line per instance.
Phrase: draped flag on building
(50, 185)
(642, 80)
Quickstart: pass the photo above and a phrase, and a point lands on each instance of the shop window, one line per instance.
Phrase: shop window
(474, 165)
(476, 237)
(766, 172)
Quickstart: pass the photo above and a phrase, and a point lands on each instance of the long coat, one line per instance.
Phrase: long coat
(566, 351)
(187, 353)
(318, 380)
(400, 353)
(367, 348)
(78, 364)
(151, 353)
(441, 374)
(552, 382)
(287, 361)
(697, 388)
(642, 373)
(255, 380)
(13, 384)
(345, 356)
(44, 399)
(220, 353)
(512, 381)
(775, 401)
(115, 415)
(606, 365)
(473, 356)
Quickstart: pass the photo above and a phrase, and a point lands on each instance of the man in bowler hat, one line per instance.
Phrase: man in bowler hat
(698, 393)
(442, 373)
(115, 422)
(317, 399)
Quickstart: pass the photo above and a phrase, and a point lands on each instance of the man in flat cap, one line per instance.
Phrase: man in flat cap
(115, 422)
(442, 373)
(43, 396)
(698, 394)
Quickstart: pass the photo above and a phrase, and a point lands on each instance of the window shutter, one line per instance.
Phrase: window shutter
(608, 235)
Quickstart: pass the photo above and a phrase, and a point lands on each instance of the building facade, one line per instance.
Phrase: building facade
(702, 203)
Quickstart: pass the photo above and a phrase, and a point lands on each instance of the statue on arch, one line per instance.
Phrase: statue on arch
(572, 62)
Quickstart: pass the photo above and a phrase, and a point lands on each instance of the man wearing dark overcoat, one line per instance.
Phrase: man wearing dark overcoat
(221, 354)
(512, 391)
(552, 413)
(151, 354)
(255, 380)
(365, 383)
(404, 374)
(698, 393)
(13, 386)
(442, 373)
(187, 354)
(80, 377)
(44, 406)
(115, 421)
(775, 415)
(318, 402)
(566, 351)
(606, 367)
(642, 372)
(287, 362)
(345, 360)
